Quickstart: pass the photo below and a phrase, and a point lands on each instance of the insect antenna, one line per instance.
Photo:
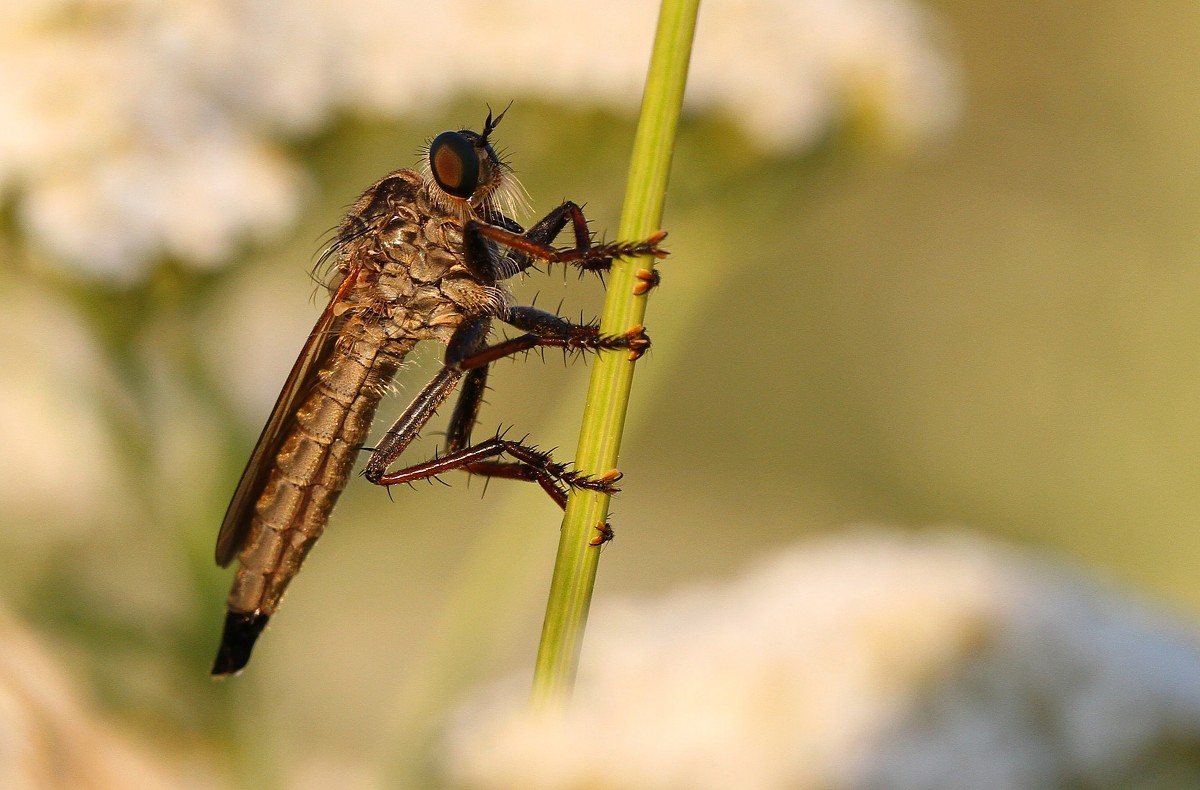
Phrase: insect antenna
(490, 125)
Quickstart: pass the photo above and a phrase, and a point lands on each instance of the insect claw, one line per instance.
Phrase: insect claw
(637, 341)
(611, 476)
(605, 534)
(647, 279)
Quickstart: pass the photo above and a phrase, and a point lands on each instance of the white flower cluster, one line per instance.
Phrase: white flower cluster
(874, 660)
(131, 130)
(119, 135)
(788, 70)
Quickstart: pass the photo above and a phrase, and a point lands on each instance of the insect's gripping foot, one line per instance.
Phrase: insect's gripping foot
(632, 249)
(237, 640)
(586, 337)
(545, 466)
(647, 279)
(604, 533)
(635, 340)
(600, 257)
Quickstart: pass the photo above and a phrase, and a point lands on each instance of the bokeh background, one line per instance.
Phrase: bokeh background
(932, 264)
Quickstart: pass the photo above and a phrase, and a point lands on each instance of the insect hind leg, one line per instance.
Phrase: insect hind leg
(532, 464)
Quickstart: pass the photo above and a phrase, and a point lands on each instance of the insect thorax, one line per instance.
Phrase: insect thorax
(405, 251)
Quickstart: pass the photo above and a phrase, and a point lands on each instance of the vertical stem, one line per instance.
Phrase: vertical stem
(612, 372)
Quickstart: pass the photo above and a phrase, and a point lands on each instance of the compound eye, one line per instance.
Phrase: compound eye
(454, 164)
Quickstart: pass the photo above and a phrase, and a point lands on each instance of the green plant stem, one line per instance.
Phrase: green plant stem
(612, 372)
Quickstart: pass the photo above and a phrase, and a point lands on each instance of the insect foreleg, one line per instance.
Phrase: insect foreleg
(535, 243)
(546, 230)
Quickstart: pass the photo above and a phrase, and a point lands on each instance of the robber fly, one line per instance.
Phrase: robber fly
(421, 256)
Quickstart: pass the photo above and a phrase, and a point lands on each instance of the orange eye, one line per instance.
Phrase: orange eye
(454, 164)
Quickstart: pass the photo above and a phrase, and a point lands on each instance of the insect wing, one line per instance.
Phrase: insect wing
(299, 383)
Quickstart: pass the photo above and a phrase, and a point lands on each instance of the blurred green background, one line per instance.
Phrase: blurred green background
(996, 329)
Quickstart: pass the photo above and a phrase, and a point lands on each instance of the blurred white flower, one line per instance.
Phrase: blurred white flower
(870, 661)
(133, 130)
(120, 137)
(788, 70)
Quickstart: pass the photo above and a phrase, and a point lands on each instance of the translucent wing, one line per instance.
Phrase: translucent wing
(299, 383)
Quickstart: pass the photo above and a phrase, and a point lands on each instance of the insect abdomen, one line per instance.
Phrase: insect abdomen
(308, 475)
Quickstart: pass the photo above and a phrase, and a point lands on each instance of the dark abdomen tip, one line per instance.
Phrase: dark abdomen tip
(241, 632)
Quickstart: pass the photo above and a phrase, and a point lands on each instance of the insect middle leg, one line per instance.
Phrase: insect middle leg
(466, 355)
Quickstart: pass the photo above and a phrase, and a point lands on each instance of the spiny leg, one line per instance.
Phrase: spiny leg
(458, 436)
(470, 334)
(547, 330)
(464, 354)
(409, 425)
(535, 244)
(553, 330)
(540, 465)
(545, 230)
(544, 329)
(548, 228)
(478, 250)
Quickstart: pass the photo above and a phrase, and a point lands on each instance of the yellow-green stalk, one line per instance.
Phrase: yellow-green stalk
(612, 371)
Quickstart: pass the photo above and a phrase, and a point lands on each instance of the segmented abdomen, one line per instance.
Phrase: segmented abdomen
(313, 464)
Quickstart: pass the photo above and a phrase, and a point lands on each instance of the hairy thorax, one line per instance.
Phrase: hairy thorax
(405, 250)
